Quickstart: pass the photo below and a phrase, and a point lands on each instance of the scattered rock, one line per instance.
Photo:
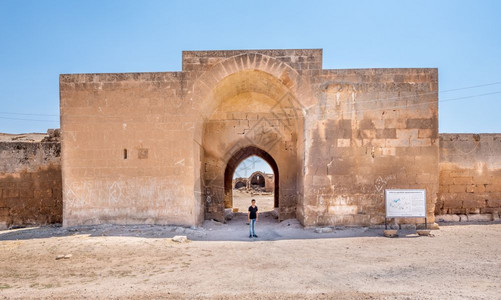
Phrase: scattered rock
(274, 213)
(432, 226)
(64, 256)
(53, 135)
(180, 239)
(390, 233)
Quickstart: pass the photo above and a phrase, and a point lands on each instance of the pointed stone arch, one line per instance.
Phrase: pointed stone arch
(258, 178)
(240, 183)
(202, 93)
(282, 91)
(233, 163)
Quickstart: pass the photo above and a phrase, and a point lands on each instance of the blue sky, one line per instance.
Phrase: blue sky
(250, 165)
(42, 39)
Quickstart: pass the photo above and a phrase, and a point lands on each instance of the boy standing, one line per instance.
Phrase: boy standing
(252, 216)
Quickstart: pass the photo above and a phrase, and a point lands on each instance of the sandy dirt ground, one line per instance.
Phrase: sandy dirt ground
(242, 201)
(287, 261)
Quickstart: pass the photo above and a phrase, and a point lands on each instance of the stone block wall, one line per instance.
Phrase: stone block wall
(30, 179)
(128, 149)
(371, 130)
(470, 177)
(299, 59)
(157, 147)
(245, 120)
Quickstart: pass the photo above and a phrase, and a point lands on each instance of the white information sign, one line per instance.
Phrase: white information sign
(405, 203)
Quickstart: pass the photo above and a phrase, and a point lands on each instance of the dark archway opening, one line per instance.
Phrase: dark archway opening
(233, 163)
(240, 184)
(257, 181)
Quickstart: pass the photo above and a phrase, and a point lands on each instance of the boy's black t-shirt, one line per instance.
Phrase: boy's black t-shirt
(253, 212)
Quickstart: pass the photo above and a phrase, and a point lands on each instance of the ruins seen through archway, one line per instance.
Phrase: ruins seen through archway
(253, 179)
(269, 195)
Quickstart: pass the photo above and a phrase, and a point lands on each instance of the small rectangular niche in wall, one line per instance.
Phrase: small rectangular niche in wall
(125, 153)
(142, 153)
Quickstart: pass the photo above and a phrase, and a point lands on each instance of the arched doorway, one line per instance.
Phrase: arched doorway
(249, 106)
(240, 184)
(257, 181)
(233, 163)
(260, 186)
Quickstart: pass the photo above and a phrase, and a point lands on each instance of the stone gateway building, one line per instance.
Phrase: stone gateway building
(161, 148)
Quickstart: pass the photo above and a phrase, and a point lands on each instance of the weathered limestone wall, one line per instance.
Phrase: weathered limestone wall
(298, 59)
(246, 117)
(30, 180)
(371, 129)
(470, 177)
(248, 103)
(145, 115)
(334, 138)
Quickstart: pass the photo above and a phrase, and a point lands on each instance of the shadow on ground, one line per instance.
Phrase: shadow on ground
(267, 228)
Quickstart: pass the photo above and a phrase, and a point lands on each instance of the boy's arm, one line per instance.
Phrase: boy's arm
(248, 216)
(257, 215)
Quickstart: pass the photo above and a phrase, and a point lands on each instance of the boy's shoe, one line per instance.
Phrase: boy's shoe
(250, 236)
(255, 235)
